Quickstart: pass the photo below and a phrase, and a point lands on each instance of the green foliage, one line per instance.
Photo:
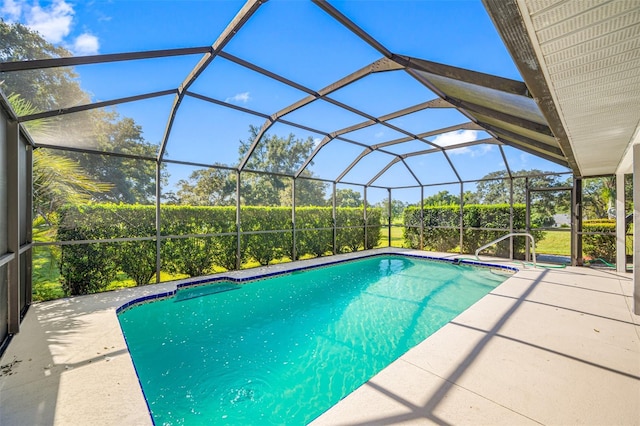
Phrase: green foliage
(397, 207)
(47, 89)
(265, 247)
(197, 256)
(58, 180)
(50, 89)
(283, 155)
(442, 233)
(311, 241)
(598, 196)
(89, 268)
(599, 246)
(208, 187)
(442, 198)
(348, 198)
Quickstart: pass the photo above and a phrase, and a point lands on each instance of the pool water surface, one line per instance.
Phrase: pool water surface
(285, 349)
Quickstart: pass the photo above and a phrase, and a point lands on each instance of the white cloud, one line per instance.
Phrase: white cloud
(52, 22)
(11, 10)
(239, 97)
(461, 136)
(379, 134)
(454, 138)
(316, 142)
(86, 44)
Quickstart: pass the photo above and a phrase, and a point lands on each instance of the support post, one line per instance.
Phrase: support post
(621, 229)
(527, 246)
(576, 223)
(511, 231)
(389, 216)
(636, 234)
(13, 225)
(422, 218)
(28, 216)
(158, 221)
(334, 218)
(238, 224)
(366, 222)
(294, 254)
(461, 218)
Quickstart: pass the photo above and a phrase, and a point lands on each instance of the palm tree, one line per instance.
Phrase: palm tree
(57, 180)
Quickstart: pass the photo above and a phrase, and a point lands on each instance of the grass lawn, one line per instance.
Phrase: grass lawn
(555, 242)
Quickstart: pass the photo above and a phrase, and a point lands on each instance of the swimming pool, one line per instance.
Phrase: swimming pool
(285, 349)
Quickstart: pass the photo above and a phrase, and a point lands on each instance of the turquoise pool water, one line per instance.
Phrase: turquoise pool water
(285, 349)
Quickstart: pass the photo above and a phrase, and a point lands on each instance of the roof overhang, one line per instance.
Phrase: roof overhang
(581, 62)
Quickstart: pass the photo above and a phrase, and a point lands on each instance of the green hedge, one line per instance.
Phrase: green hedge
(441, 228)
(89, 268)
(599, 246)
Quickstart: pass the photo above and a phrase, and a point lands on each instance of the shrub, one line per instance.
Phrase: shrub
(89, 268)
(599, 246)
(441, 227)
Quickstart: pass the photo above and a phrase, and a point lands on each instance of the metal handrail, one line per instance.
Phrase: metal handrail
(512, 234)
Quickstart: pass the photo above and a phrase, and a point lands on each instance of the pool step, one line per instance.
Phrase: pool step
(203, 290)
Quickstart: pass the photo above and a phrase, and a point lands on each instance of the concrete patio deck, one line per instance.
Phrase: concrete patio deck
(548, 346)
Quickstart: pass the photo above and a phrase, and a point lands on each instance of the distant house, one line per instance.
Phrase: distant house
(561, 220)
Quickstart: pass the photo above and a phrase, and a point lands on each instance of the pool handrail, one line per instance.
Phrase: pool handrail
(512, 234)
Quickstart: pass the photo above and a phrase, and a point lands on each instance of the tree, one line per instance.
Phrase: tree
(442, 198)
(348, 198)
(397, 207)
(132, 181)
(57, 180)
(208, 187)
(277, 155)
(495, 187)
(273, 154)
(46, 89)
(598, 197)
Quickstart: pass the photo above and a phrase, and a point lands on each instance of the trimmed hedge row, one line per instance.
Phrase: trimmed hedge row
(88, 268)
(599, 246)
(441, 228)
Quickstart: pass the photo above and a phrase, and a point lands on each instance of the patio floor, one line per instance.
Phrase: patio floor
(548, 346)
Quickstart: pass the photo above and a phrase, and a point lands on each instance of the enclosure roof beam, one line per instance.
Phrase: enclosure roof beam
(94, 105)
(491, 141)
(99, 59)
(411, 171)
(364, 153)
(543, 129)
(225, 104)
(335, 14)
(507, 18)
(455, 171)
(380, 65)
(518, 144)
(265, 72)
(534, 144)
(396, 160)
(468, 76)
(506, 163)
(227, 34)
(464, 126)
(434, 103)
(384, 169)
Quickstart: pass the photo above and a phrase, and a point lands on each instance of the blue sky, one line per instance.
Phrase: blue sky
(299, 41)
